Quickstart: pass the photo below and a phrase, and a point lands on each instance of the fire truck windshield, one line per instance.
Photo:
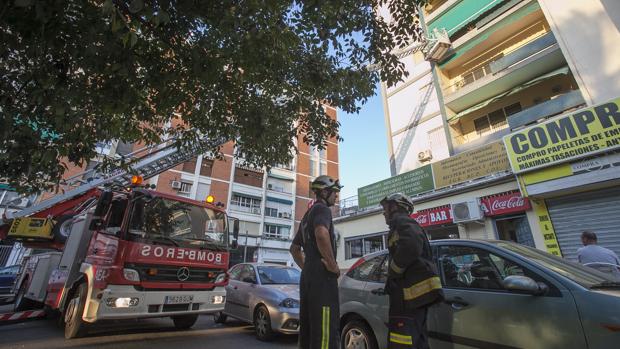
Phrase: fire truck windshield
(164, 221)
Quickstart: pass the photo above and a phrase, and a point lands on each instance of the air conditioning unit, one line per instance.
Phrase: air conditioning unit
(466, 211)
(176, 185)
(439, 46)
(256, 210)
(286, 215)
(269, 186)
(425, 155)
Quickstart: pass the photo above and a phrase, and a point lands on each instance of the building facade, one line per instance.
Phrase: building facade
(512, 64)
(269, 204)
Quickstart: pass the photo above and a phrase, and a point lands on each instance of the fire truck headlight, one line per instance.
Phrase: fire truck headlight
(124, 302)
(131, 275)
(217, 299)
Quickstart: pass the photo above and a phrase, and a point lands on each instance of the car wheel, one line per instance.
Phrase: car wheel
(357, 335)
(219, 317)
(75, 327)
(262, 324)
(184, 322)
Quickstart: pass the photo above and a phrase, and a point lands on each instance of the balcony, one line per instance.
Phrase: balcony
(473, 140)
(241, 207)
(504, 71)
(556, 105)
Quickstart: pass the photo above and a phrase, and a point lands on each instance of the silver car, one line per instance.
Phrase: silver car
(265, 295)
(498, 295)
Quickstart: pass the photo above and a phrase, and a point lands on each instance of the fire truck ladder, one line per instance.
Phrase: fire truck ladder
(146, 162)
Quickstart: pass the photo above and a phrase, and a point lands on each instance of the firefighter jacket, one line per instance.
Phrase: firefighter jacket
(412, 275)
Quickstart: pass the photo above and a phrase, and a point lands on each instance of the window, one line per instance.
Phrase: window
(271, 212)
(496, 120)
(247, 274)
(365, 271)
(277, 231)
(186, 188)
(358, 247)
(322, 168)
(278, 209)
(235, 271)
(245, 204)
(470, 267)
(279, 185)
(202, 191)
(313, 167)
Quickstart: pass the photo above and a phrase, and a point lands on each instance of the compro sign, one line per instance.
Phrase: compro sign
(579, 134)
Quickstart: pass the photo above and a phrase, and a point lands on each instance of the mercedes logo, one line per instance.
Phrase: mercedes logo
(183, 274)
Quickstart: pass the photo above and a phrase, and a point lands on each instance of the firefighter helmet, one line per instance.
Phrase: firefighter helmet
(325, 182)
(401, 200)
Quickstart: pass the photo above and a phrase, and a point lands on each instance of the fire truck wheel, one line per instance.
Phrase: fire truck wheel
(219, 317)
(21, 302)
(62, 228)
(74, 325)
(183, 322)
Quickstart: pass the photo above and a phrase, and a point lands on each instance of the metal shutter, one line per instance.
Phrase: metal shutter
(598, 211)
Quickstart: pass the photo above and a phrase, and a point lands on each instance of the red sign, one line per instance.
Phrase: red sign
(504, 203)
(433, 216)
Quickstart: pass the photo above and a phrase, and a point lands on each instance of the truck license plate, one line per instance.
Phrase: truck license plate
(178, 299)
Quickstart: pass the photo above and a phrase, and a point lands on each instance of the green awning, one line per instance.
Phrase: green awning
(461, 14)
(561, 71)
(515, 17)
(278, 200)
(273, 175)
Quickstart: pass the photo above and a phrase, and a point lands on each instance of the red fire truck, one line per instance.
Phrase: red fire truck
(119, 251)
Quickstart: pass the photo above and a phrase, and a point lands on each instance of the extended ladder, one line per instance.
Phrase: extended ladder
(146, 162)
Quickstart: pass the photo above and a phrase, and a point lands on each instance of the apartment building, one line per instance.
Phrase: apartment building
(269, 204)
(511, 64)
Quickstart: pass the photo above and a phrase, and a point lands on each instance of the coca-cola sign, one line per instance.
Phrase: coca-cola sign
(504, 203)
(433, 216)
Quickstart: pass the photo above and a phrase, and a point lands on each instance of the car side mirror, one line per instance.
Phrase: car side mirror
(524, 284)
(102, 205)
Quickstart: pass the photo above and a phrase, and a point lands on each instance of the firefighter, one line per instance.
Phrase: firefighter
(412, 283)
(314, 250)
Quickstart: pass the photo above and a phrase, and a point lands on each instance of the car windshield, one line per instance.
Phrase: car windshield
(584, 276)
(164, 221)
(278, 275)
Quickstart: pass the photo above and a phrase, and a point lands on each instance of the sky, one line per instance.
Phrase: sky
(363, 152)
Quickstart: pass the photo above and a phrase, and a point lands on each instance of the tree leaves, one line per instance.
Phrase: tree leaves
(74, 73)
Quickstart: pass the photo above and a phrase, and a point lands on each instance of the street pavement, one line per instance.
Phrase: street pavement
(145, 333)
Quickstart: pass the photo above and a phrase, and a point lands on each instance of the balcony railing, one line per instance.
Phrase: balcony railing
(236, 206)
(502, 61)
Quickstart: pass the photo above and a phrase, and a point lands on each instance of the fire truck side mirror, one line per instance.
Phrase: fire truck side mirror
(104, 202)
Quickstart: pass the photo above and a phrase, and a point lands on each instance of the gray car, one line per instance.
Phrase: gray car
(265, 295)
(498, 295)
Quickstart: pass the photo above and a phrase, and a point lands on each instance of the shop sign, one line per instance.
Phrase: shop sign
(546, 228)
(466, 166)
(409, 183)
(504, 203)
(571, 136)
(433, 216)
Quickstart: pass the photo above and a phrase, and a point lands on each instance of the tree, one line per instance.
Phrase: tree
(77, 72)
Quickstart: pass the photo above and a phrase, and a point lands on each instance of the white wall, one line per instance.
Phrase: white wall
(589, 39)
(364, 225)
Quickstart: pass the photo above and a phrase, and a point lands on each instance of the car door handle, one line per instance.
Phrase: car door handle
(457, 303)
(378, 292)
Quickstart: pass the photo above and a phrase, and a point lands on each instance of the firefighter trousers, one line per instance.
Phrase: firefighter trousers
(408, 331)
(319, 312)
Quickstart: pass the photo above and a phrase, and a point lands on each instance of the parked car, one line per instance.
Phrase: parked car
(7, 279)
(265, 295)
(498, 294)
